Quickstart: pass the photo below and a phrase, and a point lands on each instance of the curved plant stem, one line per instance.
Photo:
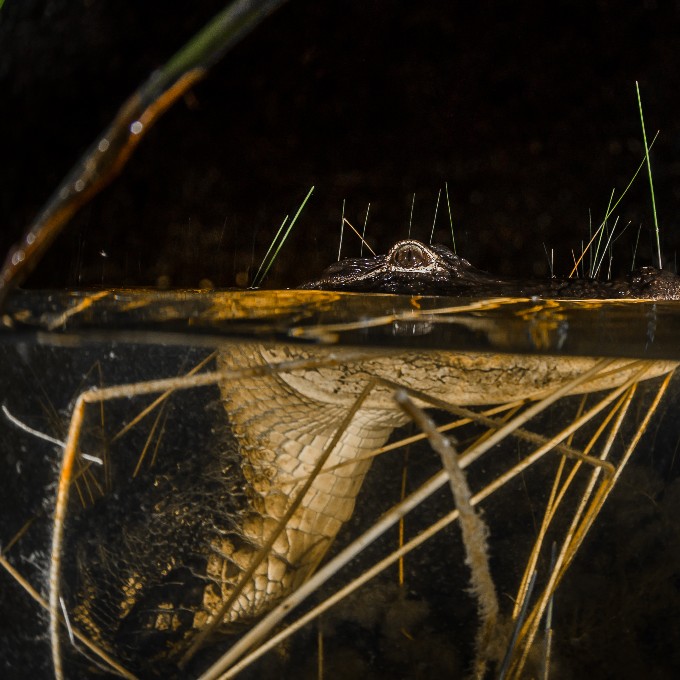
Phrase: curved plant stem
(109, 153)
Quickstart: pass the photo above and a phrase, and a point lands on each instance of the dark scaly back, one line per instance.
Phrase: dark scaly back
(135, 591)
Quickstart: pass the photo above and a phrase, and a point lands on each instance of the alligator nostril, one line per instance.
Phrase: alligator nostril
(410, 256)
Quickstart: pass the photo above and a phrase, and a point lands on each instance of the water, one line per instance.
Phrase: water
(613, 610)
(624, 328)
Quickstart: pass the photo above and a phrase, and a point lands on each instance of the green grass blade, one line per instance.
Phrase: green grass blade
(269, 250)
(448, 203)
(259, 281)
(649, 173)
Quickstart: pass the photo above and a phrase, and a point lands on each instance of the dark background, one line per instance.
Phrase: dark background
(527, 109)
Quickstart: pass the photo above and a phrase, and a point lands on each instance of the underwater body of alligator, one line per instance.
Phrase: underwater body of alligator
(146, 592)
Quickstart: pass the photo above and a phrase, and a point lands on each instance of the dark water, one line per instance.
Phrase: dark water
(615, 612)
(634, 329)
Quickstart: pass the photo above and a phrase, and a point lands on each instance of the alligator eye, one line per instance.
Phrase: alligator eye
(410, 255)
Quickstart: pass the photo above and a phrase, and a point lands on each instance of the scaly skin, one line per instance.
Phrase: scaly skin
(282, 423)
(412, 268)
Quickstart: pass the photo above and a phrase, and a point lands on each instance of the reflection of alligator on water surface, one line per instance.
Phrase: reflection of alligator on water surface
(156, 538)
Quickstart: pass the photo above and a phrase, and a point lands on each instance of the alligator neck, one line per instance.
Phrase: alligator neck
(282, 431)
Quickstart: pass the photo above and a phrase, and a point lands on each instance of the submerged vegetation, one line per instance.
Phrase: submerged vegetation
(562, 454)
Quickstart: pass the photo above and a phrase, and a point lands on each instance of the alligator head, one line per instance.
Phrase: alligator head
(412, 268)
